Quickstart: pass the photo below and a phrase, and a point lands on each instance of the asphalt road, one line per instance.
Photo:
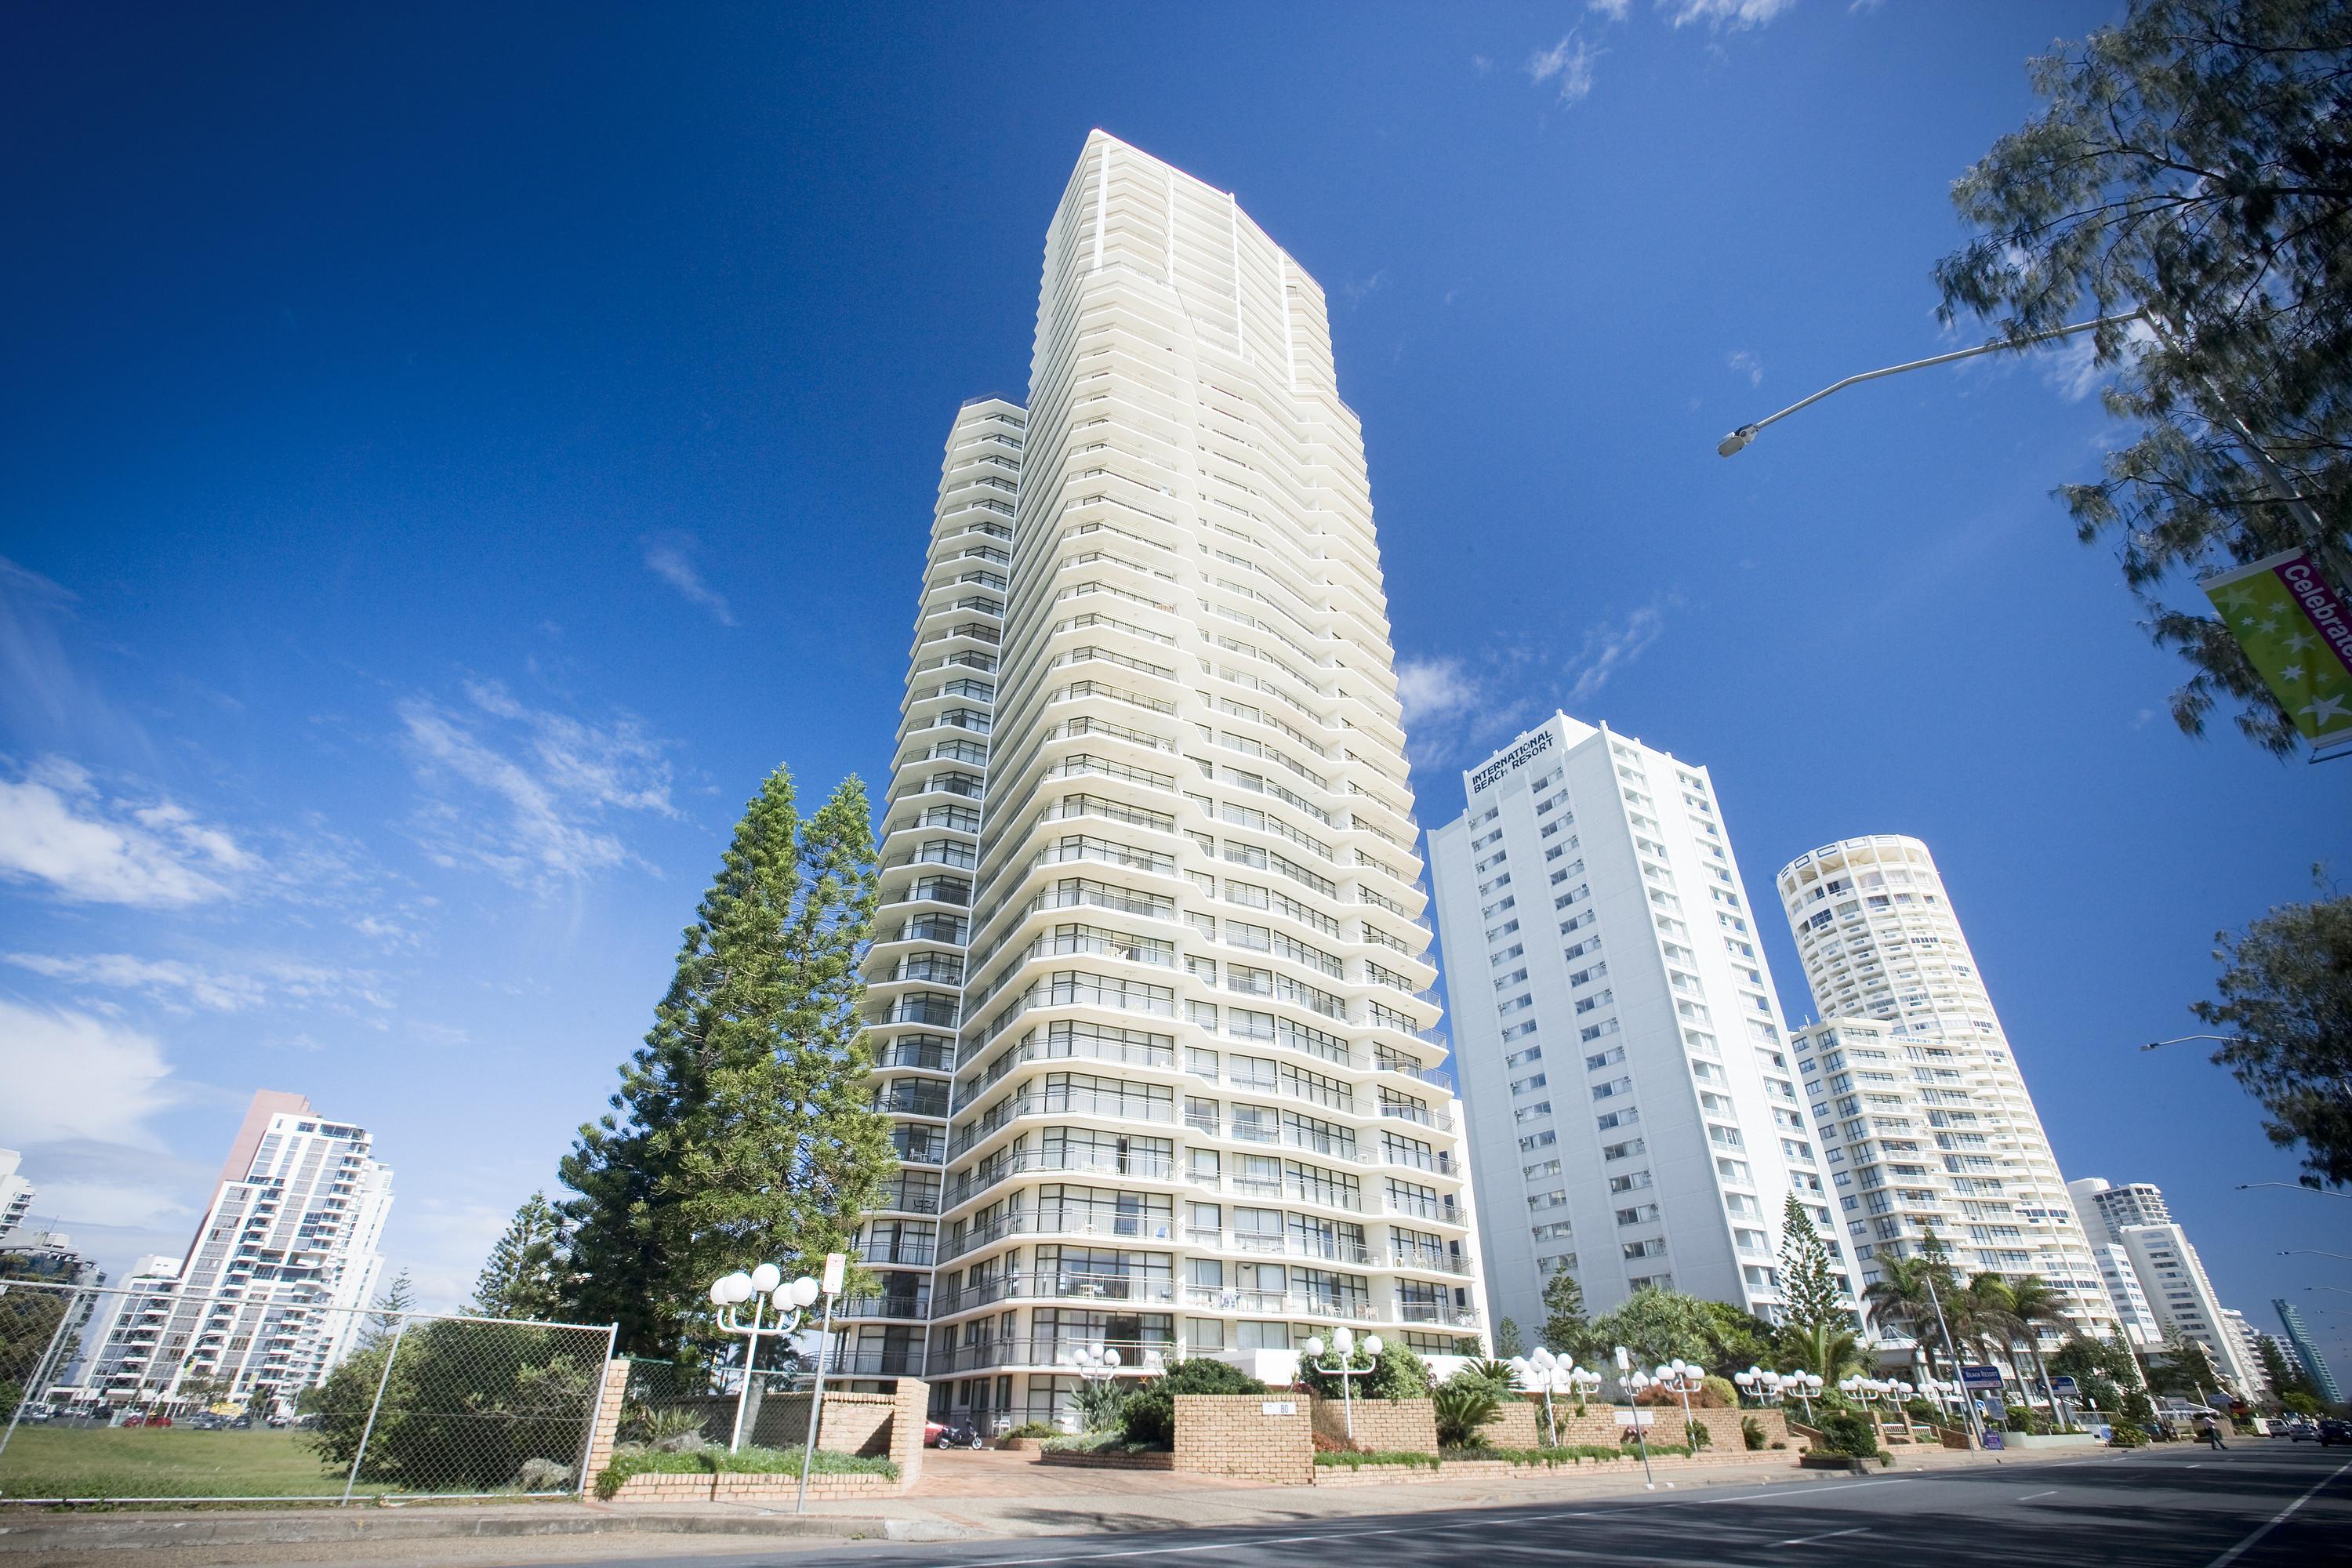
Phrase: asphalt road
(2258, 1504)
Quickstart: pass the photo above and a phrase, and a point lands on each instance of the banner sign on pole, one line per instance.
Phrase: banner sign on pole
(1980, 1377)
(2296, 630)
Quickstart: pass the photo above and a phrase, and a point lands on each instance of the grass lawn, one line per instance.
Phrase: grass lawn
(167, 1461)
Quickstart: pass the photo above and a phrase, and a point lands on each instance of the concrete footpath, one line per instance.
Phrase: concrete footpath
(961, 1497)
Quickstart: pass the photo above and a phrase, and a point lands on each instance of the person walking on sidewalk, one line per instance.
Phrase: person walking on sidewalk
(2211, 1430)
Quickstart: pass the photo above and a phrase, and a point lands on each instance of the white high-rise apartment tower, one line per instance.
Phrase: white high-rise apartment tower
(2135, 1219)
(1633, 1116)
(1954, 1144)
(1180, 955)
(268, 1300)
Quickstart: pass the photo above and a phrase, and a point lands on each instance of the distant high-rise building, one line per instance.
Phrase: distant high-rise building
(15, 1192)
(2172, 1277)
(2248, 1341)
(2306, 1350)
(1878, 938)
(1149, 890)
(1634, 1115)
(265, 1301)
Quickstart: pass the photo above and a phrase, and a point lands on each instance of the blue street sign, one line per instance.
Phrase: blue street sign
(1980, 1377)
(2061, 1385)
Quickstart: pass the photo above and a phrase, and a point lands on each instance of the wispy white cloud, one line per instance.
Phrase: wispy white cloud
(181, 986)
(1612, 646)
(556, 781)
(1481, 64)
(1569, 63)
(1724, 13)
(1613, 10)
(61, 831)
(44, 696)
(1746, 364)
(1433, 690)
(71, 1075)
(167, 979)
(670, 557)
(1357, 291)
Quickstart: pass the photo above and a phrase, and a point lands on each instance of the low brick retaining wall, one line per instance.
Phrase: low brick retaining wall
(1251, 1437)
(1084, 1458)
(705, 1486)
(1504, 1471)
(1381, 1425)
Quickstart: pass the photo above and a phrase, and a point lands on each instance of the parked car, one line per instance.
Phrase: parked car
(2333, 1431)
(2303, 1429)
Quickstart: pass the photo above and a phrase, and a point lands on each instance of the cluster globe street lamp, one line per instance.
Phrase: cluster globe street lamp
(762, 1287)
(1543, 1370)
(1774, 1387)
(1679, 1376)
(1095, 1364)
(1343, 1344)
(1871, 1390)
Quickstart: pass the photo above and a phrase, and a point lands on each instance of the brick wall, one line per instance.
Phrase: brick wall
(1599, 1425)
(1233, 1435)
(1520, 1424)
(607, 1428)
(852, 1424)
(1381, 1425)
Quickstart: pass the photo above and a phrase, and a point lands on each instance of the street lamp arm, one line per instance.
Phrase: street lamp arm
(1733, 444)
(2182, 1039)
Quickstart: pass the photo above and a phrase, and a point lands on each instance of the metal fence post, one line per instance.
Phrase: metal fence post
(41, 1368)
(368, 1430)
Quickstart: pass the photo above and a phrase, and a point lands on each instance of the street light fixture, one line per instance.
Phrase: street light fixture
(761, 1286)
(2294, 1187)
(1738, 441)
(1678, 1376)
(1543, 1370)
(2184, 1039)
(1093, 1363)
(2314, 1252)
(1343, 1342)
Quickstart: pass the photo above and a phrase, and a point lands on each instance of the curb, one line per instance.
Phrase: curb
(115, 1533)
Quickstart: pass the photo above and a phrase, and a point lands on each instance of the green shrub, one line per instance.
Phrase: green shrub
(1034, 1429)
(1699, 1436)
(1464, 1405)
(1751, 1433)
(1357, 1461)
(2128, 1435)
(1849, 1432)
(1149, 1416)
(1097, 1404)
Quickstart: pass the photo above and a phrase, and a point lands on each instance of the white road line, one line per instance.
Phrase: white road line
(1775, 1494)
(2276, 1520)
(1833, 1535)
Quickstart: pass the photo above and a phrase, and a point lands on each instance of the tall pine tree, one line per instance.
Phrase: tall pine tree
(741, 1133)
(1817, 1327)
(524, 1275)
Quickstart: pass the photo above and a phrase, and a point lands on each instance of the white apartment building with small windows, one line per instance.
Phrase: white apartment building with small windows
(17, 1193)
(1149, 998)
(268, 1300)
(1953, 1142)
(1632, 1107)
(2135, 1219)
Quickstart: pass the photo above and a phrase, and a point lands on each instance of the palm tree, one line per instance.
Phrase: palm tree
(2037, 1307)
(1984, 1320)
(1899, 1302)
(1825, 1349)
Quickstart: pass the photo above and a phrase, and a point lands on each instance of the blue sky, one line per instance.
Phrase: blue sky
(448, 456)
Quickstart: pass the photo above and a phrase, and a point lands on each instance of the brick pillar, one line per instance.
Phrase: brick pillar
(907, 1429)
(605, 1428)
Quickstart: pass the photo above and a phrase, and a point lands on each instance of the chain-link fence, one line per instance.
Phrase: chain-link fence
(149, 1395)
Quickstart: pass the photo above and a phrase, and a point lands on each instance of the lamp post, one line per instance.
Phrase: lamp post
(2314, 1252)
(1678, 1376)
(1865, 1390)
(2294, 1187)
(1737, 442)
(761, 1286)
(1634, 1383)
(1343, 1342)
